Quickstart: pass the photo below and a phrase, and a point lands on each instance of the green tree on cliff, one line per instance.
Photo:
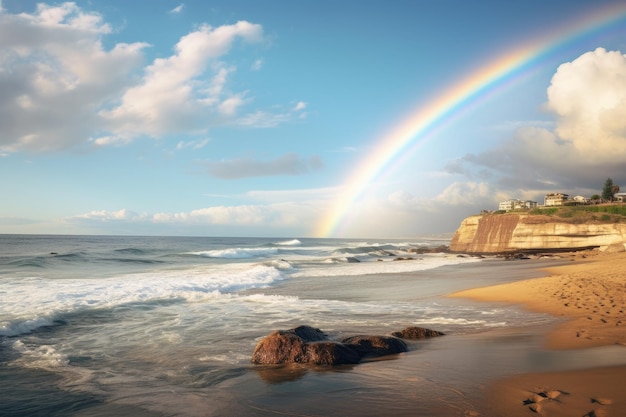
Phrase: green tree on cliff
(609, 190)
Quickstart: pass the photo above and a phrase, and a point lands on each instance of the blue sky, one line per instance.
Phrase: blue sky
(245, 118)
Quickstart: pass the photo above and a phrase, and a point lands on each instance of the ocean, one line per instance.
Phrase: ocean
(165, 326)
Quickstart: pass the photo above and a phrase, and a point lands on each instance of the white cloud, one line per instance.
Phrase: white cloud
(60, 88)
(230, 105)
(270, 216)
(589, 97)
(177, 9)
(111, 140)
(585, 144)
(301, 105)
(223, 215)
(167, 100)
(112, 216)
(55, 74)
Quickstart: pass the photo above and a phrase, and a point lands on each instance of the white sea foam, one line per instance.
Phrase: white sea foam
(237, 253)
(292, 242)
(34, 303)
(271, 299)
(41, 357)
(440, 320)
(279, 264)
(342, 266)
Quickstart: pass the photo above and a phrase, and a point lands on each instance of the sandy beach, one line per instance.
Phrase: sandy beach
(590, 296)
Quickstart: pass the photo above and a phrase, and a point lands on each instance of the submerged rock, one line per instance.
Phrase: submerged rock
(376, 345)
(331, 353)
(414, 333)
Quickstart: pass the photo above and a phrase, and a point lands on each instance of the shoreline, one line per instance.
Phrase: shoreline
(590, 296)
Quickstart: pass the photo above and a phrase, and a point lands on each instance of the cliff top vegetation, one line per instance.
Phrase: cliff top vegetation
(602, 213)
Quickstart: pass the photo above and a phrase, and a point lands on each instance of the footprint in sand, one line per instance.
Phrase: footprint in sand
(596, 413)
(599, 412)
(602, 401)
(534, 402)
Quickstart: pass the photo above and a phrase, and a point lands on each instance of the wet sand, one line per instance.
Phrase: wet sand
(590, 295)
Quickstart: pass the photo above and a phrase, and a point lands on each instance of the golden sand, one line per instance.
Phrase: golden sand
(591, 295)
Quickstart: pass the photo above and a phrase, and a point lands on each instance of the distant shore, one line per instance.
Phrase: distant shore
(590, 295)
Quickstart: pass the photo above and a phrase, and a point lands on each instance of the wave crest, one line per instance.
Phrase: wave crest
(292, 242)
(237, 253)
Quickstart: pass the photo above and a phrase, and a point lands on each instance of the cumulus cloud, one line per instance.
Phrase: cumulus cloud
(55, 74)
(289, 164)
(585, 145)
(589, 97)
(61, 88)
(167, 99)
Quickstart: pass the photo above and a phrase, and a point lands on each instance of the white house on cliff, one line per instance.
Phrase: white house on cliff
(555, 199)
(515, 204)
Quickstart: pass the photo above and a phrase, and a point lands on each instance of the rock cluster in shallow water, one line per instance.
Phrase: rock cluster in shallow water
(305, 344)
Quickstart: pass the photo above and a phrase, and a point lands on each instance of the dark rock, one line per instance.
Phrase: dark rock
(280, 347)
(376, 345)
(305, 344)
(308, 333)
(414, 333)
(438, 249)
(331, 353)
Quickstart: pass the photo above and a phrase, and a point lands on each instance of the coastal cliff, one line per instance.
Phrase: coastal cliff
(501, 233)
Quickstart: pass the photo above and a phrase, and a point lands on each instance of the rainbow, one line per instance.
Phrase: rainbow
(415, 129)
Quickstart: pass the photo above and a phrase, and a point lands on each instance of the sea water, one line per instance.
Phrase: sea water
(164, 326)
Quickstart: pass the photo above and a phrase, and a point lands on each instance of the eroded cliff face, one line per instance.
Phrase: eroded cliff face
(496, 233)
